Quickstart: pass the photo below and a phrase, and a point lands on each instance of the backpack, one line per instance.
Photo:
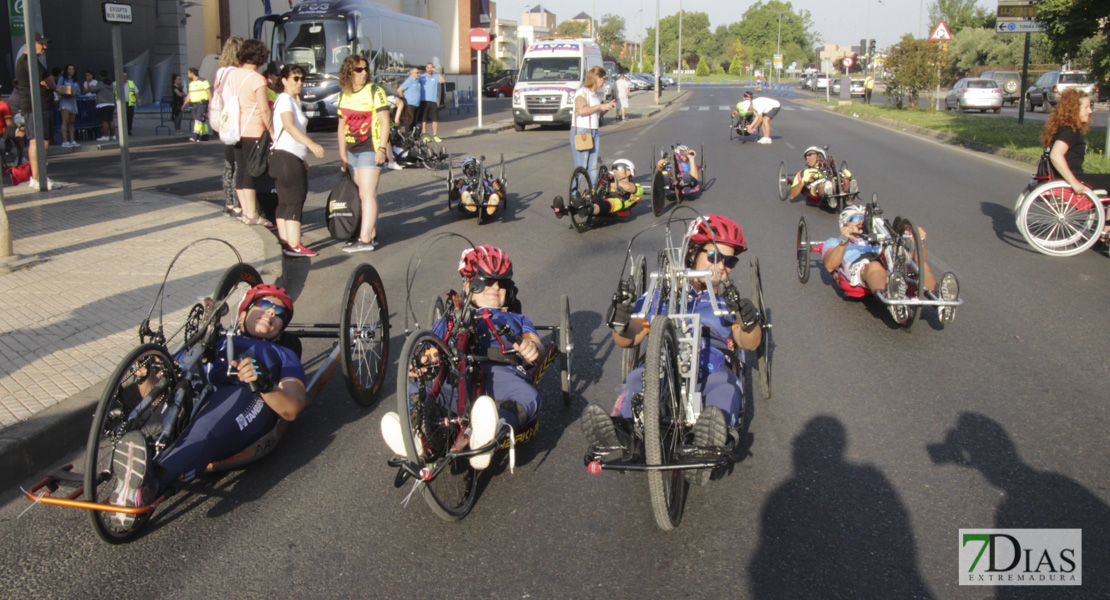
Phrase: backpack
(229, 123)
(343, 210)
(216, 100)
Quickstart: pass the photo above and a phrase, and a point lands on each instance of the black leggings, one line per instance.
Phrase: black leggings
(291, 180)
(243, 178)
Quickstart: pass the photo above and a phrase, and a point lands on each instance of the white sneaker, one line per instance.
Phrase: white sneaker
(394, 435)
(31, 183)
(483, 428)
(103, 138)
(393, 165)
(764, 140)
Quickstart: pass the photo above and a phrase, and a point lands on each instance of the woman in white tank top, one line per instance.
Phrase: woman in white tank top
(587, 116)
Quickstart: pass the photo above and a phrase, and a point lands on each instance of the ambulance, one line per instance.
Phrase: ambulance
(551, 71)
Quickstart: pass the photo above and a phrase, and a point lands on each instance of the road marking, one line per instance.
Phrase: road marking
(684, 108)
(805, 108)
(618, 152)
(703, 108)
(788, 145)
(718, 108)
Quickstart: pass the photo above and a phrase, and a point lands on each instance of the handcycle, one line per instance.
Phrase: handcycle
(739, 125)
(669, 404)
(438, 381)
(583, 191)
(480, 185)
(836, 192)
(1056, 221)
(420, 151)
(159, 388)
(664, 184)
(901, 257)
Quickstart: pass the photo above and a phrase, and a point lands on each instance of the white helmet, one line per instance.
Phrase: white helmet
(814, 149)
(849, 212)
(682, 149)
(624, 163)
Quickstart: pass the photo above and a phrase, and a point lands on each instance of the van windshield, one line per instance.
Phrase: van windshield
(318, 45)
(566, 68)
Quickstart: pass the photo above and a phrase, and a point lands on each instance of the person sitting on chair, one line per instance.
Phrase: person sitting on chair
(622, 196)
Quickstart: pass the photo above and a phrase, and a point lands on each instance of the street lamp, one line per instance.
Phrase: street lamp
(779, 44)
(656, 69)
(680, 60)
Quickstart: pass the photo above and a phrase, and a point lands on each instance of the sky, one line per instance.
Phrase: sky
(843, 22)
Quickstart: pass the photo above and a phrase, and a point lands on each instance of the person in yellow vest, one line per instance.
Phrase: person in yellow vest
(132, 100)
(868, 85)
(199, 95)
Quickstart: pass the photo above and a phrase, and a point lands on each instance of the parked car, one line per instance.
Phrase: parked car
(668, 80)
(635, 83)
(855, 88)
(1046, 91)
(821, 82)
(974, 92)
(1009, 81)
(501, 88)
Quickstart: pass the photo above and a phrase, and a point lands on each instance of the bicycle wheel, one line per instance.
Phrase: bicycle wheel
(436, 312)
(602, 190)
(704, 163)
(784, 183)
(802, 247)
(429, 157)
(134, 399)
(731, 128)
(580, 192)
(364, 335)
(1058, 222)
(664, 423)
(763, 353)
(630, 357)
(427, 401)
(566, 346)
(913, 267)
(658, 193)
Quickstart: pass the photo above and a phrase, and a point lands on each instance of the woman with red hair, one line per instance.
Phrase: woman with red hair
(1063, 135)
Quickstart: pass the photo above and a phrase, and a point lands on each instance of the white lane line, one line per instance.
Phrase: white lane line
(788, 145)
(618, 152)
(805, 108)
(784, 107)
(684, 108)
(723, 107)
(703, 108)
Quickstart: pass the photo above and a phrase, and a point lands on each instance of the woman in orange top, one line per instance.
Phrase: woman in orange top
(363, 141)
(254, 118)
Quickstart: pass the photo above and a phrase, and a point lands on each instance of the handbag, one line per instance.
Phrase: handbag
(582, 141)
(258, 156)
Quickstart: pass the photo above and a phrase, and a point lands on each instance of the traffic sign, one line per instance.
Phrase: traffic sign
(847, 62)
(941, 33)
(479, 39)
(778, 61)
(115, 12)
(1019, 27)
(1016, 10)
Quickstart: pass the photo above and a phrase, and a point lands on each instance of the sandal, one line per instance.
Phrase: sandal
(257, 220)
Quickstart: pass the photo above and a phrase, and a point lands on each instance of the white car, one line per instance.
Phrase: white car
(974, 92)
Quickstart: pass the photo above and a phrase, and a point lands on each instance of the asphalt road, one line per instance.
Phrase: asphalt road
(839, 496)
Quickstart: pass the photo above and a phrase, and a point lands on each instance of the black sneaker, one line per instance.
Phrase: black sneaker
(710, 432)
(559, 206)
(598, 427)
(948, 289)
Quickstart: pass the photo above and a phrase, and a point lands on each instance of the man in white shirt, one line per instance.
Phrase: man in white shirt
(622, 95)
(764, 109)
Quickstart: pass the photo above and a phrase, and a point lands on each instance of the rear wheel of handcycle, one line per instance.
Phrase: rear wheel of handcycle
(664, 423)
(436, 312)
(763, 353)
(784, 185)
(803, 250)
(427, 402)
(429, 158)
(147, 372)
(566, 347)
(450, 185)
(1058, 222)
(910, 246)
(364, 335)
(658, 192)
(704, 164)
(580, 190)
(731, 128)
(630, 357)
(236, 281)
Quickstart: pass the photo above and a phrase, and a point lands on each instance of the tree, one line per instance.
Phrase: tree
(610, 33)
(571, 28)
(703, 69)
(695, 33)
(760, 28)
(913, 67)
(726, 66)
(737, 66)
(692, 59)
(960, 14)
(1070, 23)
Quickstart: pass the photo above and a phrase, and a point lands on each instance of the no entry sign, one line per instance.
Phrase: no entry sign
(847, 62)
(479, 39)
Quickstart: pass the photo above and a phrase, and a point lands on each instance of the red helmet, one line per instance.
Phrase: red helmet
(715, 228)
(263, 290)
(487, 261)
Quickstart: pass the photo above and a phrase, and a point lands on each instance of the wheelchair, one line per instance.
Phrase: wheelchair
(1056, 221)
(836, 191)
(481, 187)
(667, 185)
(419, 151)
(901, 257)
(159, 387)
(438, 381)
(665, 412)
(582, 191)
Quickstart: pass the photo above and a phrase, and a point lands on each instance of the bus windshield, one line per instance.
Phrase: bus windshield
(319, 46)
(566, 68)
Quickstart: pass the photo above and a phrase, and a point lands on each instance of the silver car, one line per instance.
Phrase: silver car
(1046, 91)
(974, 92)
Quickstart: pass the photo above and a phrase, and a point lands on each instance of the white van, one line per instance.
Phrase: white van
(551, 71)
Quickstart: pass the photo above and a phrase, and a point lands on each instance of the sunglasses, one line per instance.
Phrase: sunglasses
(359, 69)
(809, 154)
(855, 219)
(297, 78)
(715, 257)
(478, 284)
(266, 304)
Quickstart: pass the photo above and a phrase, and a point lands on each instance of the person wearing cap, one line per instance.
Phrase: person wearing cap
(233, 416)
(764, 110)
(623, 194)
(45, 86)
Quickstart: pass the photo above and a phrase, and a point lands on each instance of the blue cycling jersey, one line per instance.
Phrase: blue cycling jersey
(716, 333)
(483, 338)
(280, 362)
(852, 252)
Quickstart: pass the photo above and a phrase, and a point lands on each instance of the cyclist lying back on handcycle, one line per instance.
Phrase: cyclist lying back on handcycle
(622, 194)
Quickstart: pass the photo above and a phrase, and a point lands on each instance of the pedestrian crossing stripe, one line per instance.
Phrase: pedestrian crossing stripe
(703, 108)
(729, 108)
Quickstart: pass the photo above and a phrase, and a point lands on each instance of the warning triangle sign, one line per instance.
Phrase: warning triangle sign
(941, 33)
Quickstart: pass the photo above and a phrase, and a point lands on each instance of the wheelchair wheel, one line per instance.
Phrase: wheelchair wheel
(233, 284)
(566, 346)
(364, 335)
(658, 193)
(436, 312)
(803, 250)
(450, 185)
(664, 423)
(580, 189)
(913, 267)
(428, 404)
(784, 183)
(136, 398)
(1058, 222)
(429, 157)
(763, 353)
(630, 357)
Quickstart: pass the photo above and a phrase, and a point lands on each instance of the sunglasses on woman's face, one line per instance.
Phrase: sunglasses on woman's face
(809, 154)
(266, 304)
(359, 69)
(297, 78)
(478, 284)
(714, 257)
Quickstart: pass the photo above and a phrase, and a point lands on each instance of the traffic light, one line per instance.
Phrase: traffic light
(872, 52)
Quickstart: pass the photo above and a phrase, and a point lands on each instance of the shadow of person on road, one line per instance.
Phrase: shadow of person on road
(1002, 221)
(1033, 499)
(834, 530)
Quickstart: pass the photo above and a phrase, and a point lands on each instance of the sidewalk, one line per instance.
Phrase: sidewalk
(67, 320)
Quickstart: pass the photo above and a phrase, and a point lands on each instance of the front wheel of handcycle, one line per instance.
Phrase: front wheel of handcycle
(566, 347)
(364, 335)
(432, 421)
(784, 184)
(581, 191)
(763, 353)
(630, 357)
(909, 245)
(803, 250)
(1058, 222)
(136, 398)
(664, 423)
(658, 193)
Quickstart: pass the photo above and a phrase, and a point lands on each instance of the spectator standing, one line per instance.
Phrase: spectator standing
(200, 94)
(587, 117)
(229, 61)
(132, 100)
(363, 141)
(622, 95)
(413, 92)
(105, 104)
(868, 86)
(254, 118)
(287, 162)
(177, 103)
(45, 86)
(68, 89)
(429, 108)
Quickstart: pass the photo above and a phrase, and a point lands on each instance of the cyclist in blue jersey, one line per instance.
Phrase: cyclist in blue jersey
(509, 395)
(688, 176)
(232, 417)
(715, 243)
